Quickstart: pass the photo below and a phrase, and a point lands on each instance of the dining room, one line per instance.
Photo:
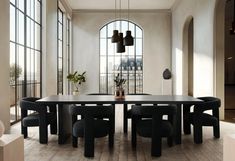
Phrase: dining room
(117, 80)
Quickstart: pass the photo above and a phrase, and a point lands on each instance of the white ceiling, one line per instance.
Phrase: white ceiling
(110, 4)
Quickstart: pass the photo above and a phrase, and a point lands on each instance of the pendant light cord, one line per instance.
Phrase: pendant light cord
(115, 14)
(128, 13)
(120, 15)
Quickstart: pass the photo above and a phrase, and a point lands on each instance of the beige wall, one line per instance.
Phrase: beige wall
(203, 12)
(156, 26)
(49, 50)
(4, 61)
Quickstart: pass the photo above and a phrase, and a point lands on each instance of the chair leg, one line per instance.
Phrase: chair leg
(156, 146)
(89, 147)
(24, 131)
(216, 131)
(111, 139)
(197, 133)
(75, 141)
(133, 132)
(170, 141)
(186, 123)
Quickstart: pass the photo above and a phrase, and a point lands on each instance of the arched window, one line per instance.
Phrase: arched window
(128, 64)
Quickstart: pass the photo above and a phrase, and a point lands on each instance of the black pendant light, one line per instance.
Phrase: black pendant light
(120, 46)
(128, 40)
(232, 29)
(115, 37)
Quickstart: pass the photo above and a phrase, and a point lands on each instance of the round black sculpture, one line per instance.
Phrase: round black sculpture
(167, 74)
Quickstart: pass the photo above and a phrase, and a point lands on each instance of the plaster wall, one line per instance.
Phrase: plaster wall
(205, 80)
(4, 61)
(156, 26)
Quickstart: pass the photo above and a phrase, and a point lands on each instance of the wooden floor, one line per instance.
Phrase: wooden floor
(210, 150)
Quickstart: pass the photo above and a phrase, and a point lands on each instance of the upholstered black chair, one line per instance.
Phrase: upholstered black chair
(90, 127)
(28, 104)
(127, 113)
(199, 119)
(155, 127)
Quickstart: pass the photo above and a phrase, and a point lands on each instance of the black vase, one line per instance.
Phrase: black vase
(167, 74)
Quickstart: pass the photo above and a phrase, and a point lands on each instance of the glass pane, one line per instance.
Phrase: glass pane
(110, 64)
(103, 64)
(12, 1)
(37, 11)
(110, 30)
(21, 28)
(32, 9)
(20, 4)
(60, 14)
(28, 33)
(20, 62)
(60, 31)
(103, 83)
(12, 23)
(103, 46)
(124, 27)
(103, 32)
(139, 33)
(111, 83)
(60, 47)
(32, 26)
(28, 6)
(139, 48)
(111, 47)
(117, 66)
(37, 36)
(139, 63)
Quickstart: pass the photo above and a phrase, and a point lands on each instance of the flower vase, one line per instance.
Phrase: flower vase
(2, 128)
(119, 93)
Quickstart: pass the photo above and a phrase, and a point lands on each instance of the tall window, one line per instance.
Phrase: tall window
(128, 64)
(60, 52)
(25, 52)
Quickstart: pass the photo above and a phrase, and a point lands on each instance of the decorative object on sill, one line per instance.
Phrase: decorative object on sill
(128, 40)
(2, 128)
(77, 80)
(167, 74)
(118, 35)
(232, 29)
(119, 91)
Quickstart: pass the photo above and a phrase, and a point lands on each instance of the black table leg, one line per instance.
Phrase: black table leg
(43, 131)
(65, 123)
(113, 118)
(125, 121)
(178, 125)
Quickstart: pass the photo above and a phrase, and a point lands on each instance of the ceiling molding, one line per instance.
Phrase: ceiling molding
(122, 11)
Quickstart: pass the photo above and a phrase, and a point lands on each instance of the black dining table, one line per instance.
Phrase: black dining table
(64, 116)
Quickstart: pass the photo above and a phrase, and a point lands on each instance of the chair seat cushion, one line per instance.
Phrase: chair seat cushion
(101, 128)
(144, 128)
(206, 119)
(31, 120)
(129, 114)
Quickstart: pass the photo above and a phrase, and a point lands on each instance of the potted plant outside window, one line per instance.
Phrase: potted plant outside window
(77, 80)
(119, 83)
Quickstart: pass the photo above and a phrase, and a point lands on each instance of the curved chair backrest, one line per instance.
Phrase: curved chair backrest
(152, 110)
(28, 103)
(92, 111)
(208, 103)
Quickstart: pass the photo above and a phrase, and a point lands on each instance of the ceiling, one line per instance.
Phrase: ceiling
(110, 4)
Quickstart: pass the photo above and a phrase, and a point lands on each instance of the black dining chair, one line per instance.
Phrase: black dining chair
(199, 119)
(127, 113)
(155, 127)
(30, 120)
(90, 127)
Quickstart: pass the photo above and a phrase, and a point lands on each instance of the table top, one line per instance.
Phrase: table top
(110, 99)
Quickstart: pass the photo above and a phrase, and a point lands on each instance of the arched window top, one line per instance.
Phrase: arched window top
(121, 25)
(128, 64)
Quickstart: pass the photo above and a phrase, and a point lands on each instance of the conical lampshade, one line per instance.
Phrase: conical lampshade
(115, 37)
(120, 46)
(128, 40)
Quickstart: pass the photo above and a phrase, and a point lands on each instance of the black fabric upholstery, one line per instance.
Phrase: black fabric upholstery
(101, 128)
(199, 118)
(127, 112)
(28, 103)
(91, 126)
(154, 127)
